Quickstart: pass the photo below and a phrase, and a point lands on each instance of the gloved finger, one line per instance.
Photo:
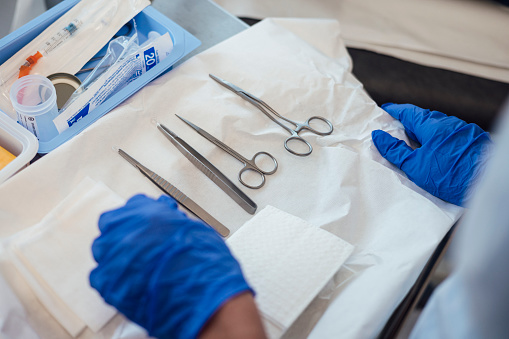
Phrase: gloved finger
(138, 199)
(105, 220)
(97, 249)
(104, 245)
(95, 279)
(396, 111)
(109, 219)
(424, 125)
(114, 226)
(114, 244)
(112, 220)
(104, 278)
(394, 150)
(172, 203)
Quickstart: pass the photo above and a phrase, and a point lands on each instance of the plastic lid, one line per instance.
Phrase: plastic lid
(18, 141)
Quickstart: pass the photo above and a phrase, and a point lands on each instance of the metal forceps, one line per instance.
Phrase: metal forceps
(174, 192)
(269, 112)
(249, 165)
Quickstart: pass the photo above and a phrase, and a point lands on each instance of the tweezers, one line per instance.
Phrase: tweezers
(182, 199)
(212, 172)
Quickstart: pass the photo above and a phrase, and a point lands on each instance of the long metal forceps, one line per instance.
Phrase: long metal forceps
(214, 174)
(172, 191)
(249, 165)
(269, 112)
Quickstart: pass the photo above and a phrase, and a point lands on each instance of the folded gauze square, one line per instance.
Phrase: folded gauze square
(55, 257)
(287, 261)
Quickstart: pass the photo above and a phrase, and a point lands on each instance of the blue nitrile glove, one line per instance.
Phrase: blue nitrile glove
(450, 155)
(162, 270)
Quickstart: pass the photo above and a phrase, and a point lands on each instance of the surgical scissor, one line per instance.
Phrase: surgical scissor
(269, 112)
(249, 165)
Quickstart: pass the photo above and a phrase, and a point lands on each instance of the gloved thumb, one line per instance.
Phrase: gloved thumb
(394, 150)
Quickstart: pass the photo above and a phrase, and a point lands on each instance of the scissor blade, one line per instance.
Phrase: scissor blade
(227, 84)
(176, 194)
(210, 171)
(247, 96)
(214, 140)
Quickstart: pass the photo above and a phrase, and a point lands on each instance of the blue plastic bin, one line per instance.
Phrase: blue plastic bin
(148, 20)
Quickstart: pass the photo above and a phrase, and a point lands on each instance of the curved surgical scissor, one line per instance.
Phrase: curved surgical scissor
(267, 110)
(249, 165)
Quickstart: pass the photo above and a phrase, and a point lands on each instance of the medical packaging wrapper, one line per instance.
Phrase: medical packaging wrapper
(287, 261)
(55, 257)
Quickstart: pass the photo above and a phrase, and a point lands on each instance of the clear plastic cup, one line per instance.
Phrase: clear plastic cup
(34, 99)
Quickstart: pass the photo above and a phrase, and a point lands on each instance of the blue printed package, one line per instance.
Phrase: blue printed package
(119, 75)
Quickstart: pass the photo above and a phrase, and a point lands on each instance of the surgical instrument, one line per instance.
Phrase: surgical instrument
(210, 171)
(172, 191)
(268, 111)
(249, 165)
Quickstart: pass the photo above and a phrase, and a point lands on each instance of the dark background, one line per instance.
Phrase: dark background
(388, 79)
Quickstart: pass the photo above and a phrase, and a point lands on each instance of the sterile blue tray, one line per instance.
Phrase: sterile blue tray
(148, 20)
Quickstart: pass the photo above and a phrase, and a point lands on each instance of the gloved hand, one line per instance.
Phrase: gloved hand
(450, 154)
(162, 270)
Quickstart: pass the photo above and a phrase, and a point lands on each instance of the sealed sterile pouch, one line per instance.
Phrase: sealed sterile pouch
(67, 44)
(127, 61)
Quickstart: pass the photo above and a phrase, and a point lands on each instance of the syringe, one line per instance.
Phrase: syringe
(49, 45)
(62, 35)
(99, 14)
